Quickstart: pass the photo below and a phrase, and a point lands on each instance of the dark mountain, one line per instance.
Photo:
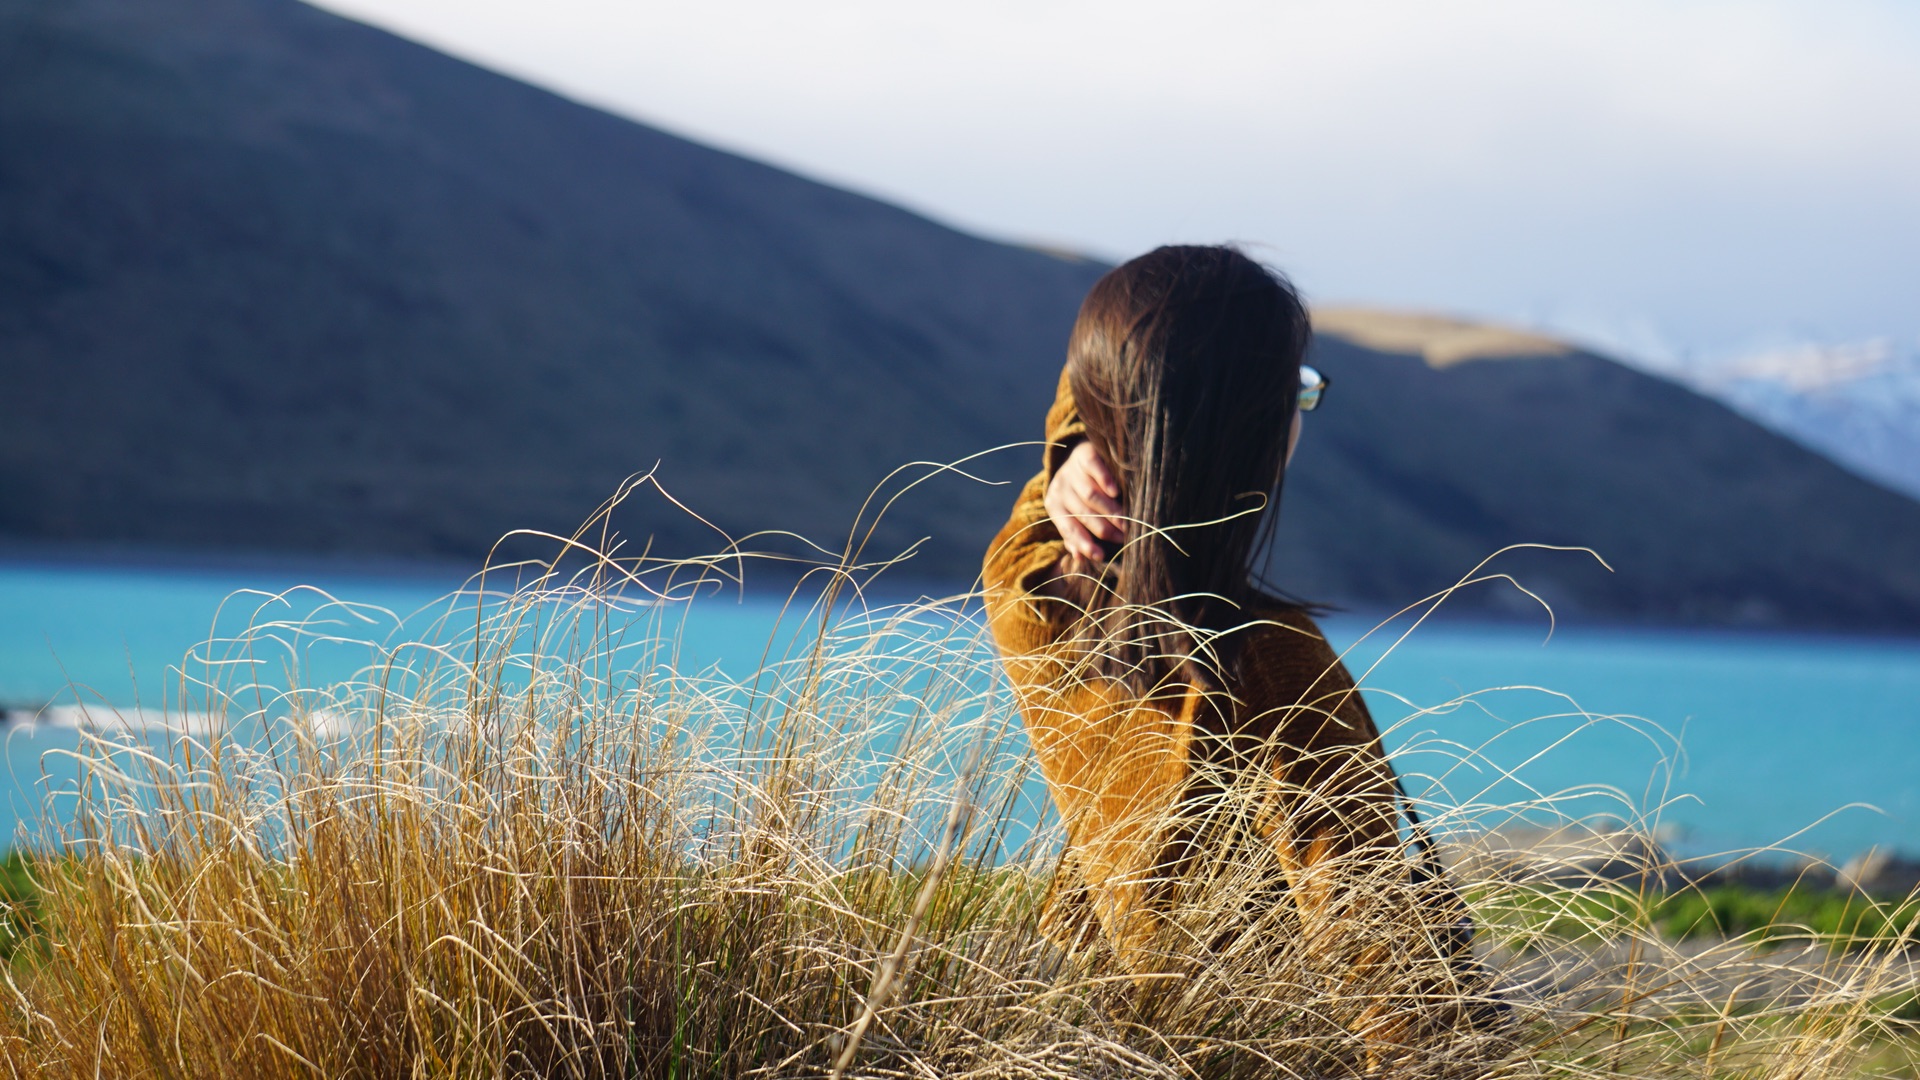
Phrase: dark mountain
(271, 280)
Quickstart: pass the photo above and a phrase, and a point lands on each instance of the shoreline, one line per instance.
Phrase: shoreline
(773, 586)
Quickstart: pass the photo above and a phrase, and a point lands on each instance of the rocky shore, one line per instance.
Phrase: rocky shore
(1605, 852)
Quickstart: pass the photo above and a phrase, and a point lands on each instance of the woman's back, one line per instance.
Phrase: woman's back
(1121, 769)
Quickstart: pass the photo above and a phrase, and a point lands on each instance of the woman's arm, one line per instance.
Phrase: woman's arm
(1082, 502)
(1065, 429)
(1051, 532)
(1082, 495)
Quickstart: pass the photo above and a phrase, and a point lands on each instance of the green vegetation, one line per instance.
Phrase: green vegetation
(1840, 920)
(19, 904)
(1844, 920)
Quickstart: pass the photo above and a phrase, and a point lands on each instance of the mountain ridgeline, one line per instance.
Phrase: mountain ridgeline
(271, 280)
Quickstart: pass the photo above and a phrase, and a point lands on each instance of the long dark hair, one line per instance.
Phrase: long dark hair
(1185, 365)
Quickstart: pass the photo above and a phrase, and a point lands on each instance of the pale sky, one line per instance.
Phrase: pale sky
(1706, 177)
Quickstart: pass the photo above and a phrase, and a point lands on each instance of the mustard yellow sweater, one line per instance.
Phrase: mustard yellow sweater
(1118, 769)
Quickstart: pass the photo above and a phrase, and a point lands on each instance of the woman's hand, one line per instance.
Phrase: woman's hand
(1083, 502)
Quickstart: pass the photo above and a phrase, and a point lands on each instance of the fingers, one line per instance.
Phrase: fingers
(1104, 515)
(1069, 518)
(1098, 472)
(1079, 541)
(1094, 494)
(1082, 501)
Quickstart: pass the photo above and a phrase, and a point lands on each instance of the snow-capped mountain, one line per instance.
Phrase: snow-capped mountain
(1858, 403)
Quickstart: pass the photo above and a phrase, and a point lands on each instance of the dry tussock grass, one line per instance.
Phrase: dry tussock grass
(549, 845)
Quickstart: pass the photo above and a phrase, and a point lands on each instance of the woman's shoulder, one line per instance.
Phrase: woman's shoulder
(1286, 643)
(1289, 672)
(1280, 624)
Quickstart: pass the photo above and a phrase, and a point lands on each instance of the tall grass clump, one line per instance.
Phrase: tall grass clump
(546, 841)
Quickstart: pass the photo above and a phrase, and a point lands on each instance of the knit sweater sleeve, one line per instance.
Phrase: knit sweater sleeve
(1064, 427)
(1025, 554)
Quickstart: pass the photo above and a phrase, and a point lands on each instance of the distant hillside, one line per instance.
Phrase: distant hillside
(272, 280)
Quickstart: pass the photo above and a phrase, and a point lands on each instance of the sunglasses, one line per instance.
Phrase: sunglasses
(1313, 387)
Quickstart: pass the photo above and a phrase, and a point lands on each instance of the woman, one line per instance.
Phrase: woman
(1214, 765)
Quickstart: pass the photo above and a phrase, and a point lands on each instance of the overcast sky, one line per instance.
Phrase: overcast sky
(1709, 176)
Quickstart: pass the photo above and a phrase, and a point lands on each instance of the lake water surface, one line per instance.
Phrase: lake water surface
(1741, 740)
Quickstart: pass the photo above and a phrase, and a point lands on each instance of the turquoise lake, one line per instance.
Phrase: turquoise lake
(1741, 739)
